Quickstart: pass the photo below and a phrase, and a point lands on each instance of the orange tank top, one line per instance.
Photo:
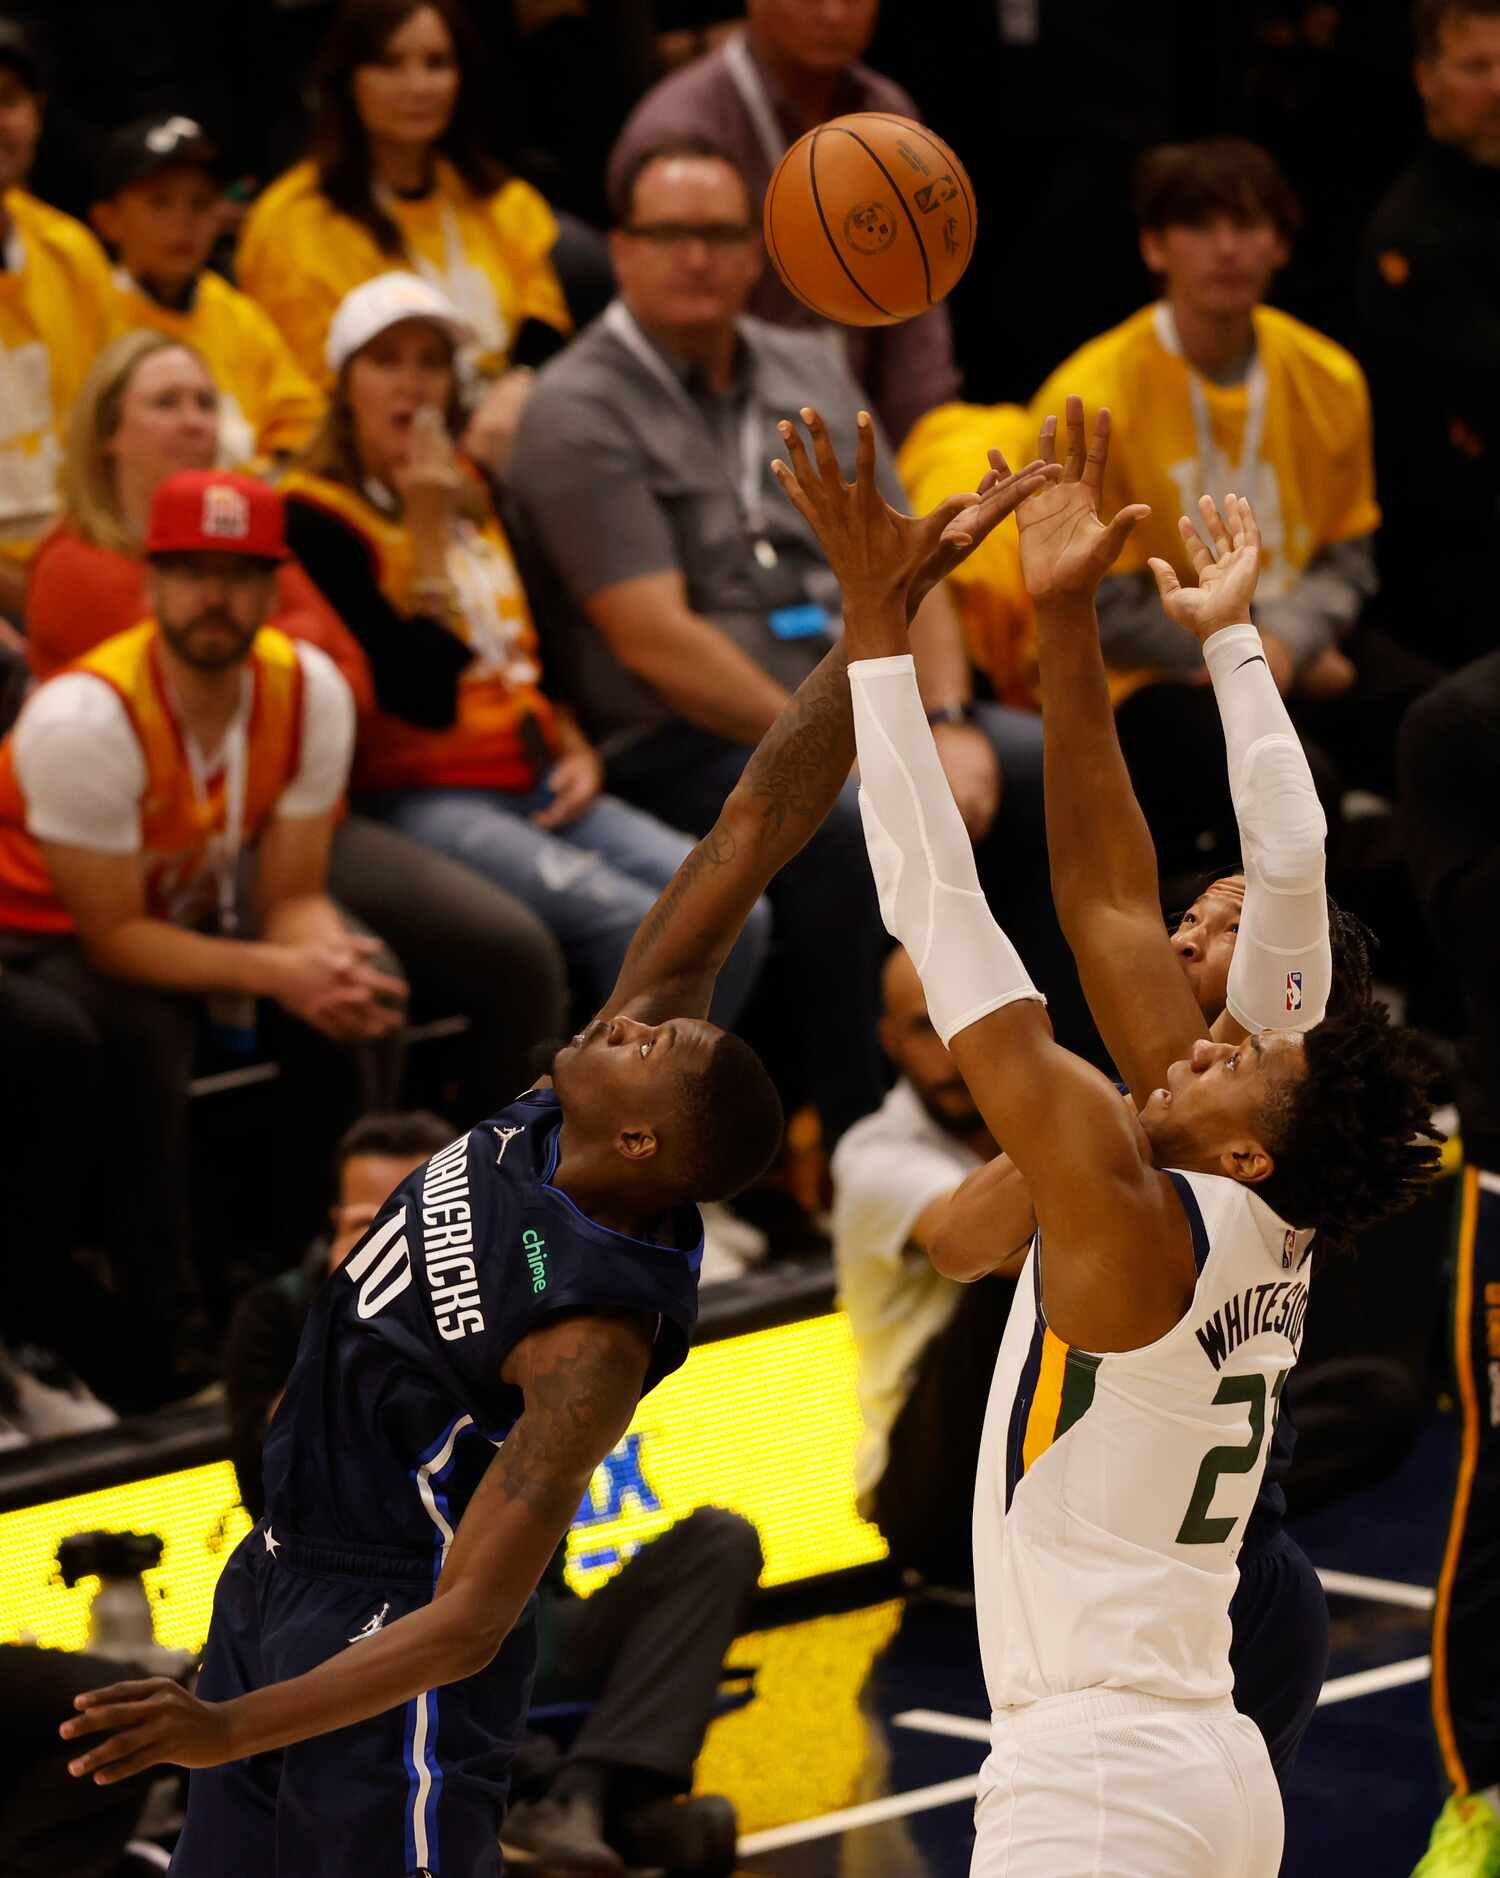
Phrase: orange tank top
(504, 725)
(177, 825)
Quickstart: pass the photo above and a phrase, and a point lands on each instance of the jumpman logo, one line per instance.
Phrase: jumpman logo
(377, 1622)
(505, 1136)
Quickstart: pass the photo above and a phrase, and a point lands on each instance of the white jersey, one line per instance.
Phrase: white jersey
(1113, 1490)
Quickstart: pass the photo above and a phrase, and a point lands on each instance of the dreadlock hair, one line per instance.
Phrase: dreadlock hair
(1353, 945)
(729, 1121)
(1352, 1138)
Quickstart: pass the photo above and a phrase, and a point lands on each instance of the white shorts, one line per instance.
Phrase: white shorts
(1108, 1784)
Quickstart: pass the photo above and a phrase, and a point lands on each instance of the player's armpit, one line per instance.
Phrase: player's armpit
(983, 1228)
(1140, 1000)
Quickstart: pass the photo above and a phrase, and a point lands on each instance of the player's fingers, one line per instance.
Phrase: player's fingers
(1198, 549)
(1009, 496)
(116, 1748)
(1073, 419)
(1046, 443)
(801, 466)
(1213, 521)
(1249, 531)
(997, 462)
(794, 493)
(122, 1770)
(123, 1692)
(1167, 582)
(828, 463)
(864, 453)
(1118, 532)
(1098, 456)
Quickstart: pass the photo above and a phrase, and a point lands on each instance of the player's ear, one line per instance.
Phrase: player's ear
(1248, 1162)
(636, 1144)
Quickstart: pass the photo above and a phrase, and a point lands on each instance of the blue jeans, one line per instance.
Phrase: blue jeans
(592, 882)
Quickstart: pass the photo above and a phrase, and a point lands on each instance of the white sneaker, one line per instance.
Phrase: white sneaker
(44, 1411)
(722, 1262)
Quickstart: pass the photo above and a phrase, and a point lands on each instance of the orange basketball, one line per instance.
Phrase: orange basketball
(870, 219)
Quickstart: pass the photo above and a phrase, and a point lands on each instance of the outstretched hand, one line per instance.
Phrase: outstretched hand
(145, 1723)
(1065, 548)
(875, 550)
(1226, 565)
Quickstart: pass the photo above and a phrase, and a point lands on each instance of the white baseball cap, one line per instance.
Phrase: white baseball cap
(370, 309)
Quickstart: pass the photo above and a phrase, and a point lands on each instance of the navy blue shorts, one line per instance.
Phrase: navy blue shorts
(421, 1788)
(1279, 1647)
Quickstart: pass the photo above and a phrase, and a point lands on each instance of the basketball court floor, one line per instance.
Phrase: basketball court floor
(858, 1755)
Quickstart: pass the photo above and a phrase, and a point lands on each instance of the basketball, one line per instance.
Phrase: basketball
(870, 219)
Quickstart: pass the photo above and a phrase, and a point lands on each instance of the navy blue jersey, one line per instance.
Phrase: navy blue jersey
(395, 1405)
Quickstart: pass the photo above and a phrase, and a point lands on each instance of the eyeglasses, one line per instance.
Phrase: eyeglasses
(677, 234)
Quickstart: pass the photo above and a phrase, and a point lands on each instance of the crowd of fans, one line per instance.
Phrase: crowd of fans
(401, 555)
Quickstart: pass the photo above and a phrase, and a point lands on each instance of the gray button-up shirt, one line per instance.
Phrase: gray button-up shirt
(619, 476)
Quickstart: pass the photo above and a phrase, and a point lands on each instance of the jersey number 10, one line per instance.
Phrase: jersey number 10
(1197, 1528)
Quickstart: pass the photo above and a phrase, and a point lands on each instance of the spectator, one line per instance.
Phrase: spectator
(1430, 307)
(55, 311)
(468, 756)
(399, 178)
(1450, 783)
(696, 597)
(927, 1345)
(158, 208)
(643, 1654)
(795, 66)
(146, 409)
(129, 786)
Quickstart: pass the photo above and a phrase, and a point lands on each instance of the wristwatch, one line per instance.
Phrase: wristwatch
(952, 714)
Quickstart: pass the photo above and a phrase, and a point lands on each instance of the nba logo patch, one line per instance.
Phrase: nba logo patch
(1294, 991)
(226, 512)
(1288, 1247)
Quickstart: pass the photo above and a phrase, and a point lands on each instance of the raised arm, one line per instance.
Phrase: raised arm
(1282, 971)
(581, 1379)
(1104, 878)
(1119, 1236)
(796, 771)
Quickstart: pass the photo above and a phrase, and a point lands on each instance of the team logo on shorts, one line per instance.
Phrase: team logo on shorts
(1294, 991)
(226, 512)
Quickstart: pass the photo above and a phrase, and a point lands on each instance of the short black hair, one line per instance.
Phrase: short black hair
(1352, 1138)
(1183, 184)
(1428, 16)
(20, 54)
(730, 1119)
(400, 1135)
(622, 198)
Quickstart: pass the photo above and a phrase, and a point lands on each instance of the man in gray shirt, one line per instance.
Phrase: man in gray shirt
(697, 598)
(793, 67)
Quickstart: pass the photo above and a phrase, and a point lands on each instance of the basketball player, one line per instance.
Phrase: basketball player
(1160, 1308)
(1105, 873)
(479, 1353)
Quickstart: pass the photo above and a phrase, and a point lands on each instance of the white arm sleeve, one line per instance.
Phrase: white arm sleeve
(327, 738)
(1282, 969)
(921, 856)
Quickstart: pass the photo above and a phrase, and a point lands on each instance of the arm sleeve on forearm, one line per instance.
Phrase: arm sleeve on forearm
(1282, 969)
(921, 856)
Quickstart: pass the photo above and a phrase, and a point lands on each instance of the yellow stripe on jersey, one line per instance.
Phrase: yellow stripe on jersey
(1046, 1403)
(1463, 1364)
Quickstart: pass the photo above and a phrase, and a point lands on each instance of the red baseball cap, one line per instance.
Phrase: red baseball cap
(216, 512)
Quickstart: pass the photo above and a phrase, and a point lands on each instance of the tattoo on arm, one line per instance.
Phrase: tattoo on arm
(800, 764)
(581, 1380)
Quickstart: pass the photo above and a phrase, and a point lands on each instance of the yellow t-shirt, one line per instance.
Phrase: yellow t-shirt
(267, 403)
(945, 454)
(298, 256)
(55, 312)
(1313, 483)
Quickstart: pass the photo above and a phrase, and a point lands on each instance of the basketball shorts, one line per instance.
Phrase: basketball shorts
(1279, 1647)
(419, 1789)
(1110, 1784)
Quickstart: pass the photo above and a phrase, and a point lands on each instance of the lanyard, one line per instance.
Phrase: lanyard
(223, 850)
(1215, 472)
(755, 98)
(749, 488)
